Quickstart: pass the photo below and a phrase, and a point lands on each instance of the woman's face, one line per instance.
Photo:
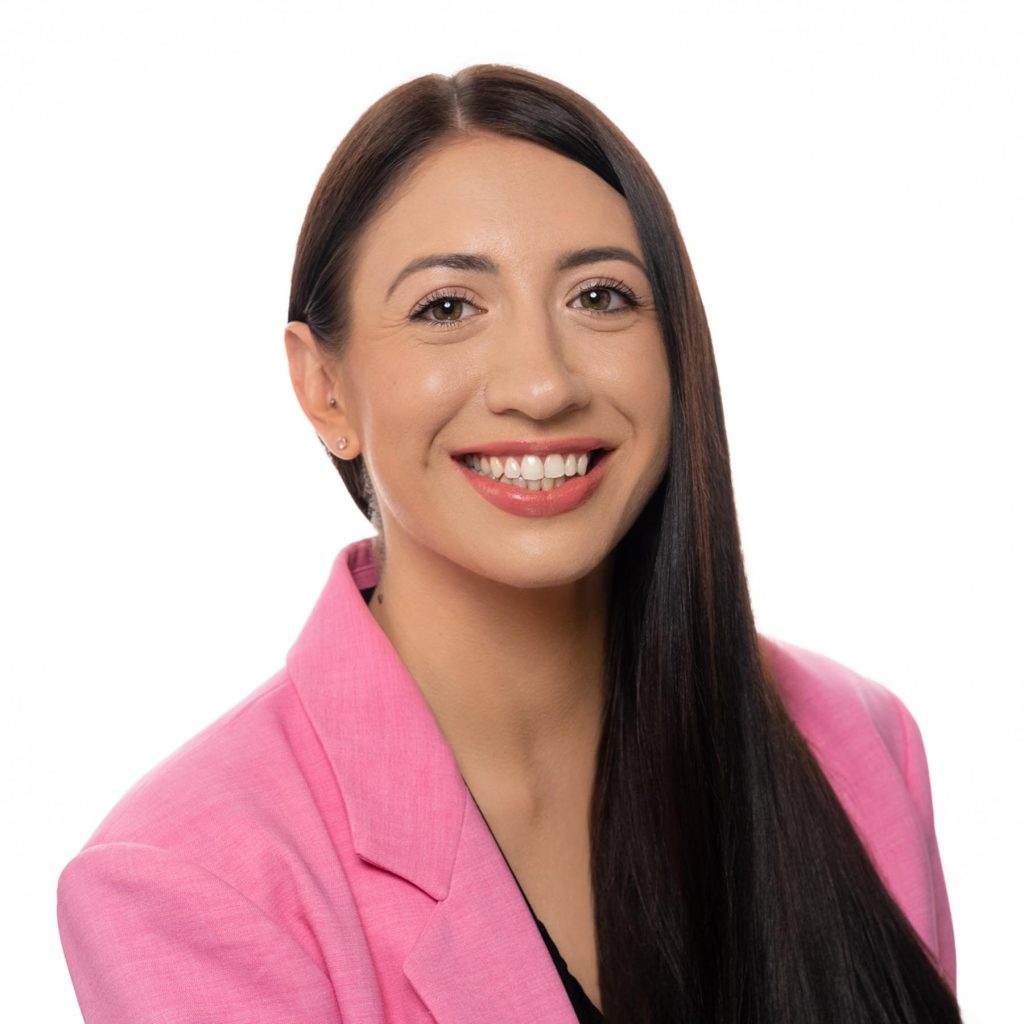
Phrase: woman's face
(541, 354)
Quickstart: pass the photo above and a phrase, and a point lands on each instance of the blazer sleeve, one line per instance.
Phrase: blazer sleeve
(915, 771)
(149, 937)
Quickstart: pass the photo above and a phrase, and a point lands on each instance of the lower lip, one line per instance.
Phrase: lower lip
(521, 501)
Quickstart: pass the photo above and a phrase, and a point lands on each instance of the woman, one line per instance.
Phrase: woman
(529, 759)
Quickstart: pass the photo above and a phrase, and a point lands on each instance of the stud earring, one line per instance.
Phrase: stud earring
(342, 443)
(332, 401)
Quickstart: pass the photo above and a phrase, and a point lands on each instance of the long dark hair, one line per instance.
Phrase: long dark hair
(729, 884)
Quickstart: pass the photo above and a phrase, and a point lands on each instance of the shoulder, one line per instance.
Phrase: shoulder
(240, 828)
(192, 878)
(214, 775)
(870, 749)
(863, 735)
(251, 783)
(849, 719)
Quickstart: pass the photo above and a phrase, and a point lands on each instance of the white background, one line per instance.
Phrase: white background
(848, 181)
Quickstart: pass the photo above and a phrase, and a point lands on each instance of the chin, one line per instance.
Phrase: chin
(540, 570)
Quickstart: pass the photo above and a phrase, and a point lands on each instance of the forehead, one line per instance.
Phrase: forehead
(515, 200)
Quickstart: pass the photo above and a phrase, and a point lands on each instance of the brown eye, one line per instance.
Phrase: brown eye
(444, 309)
(600, 298)
(447, 309)
(596, 298)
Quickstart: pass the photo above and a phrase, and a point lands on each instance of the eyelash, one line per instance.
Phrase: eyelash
(604, 284)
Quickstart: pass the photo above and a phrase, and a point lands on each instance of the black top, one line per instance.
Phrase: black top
(586, 1011)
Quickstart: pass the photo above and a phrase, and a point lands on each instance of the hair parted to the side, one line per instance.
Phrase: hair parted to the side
(729, 884)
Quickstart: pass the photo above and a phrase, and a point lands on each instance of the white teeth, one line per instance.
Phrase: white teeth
(532, 468)
(533, 471)
(554, 465)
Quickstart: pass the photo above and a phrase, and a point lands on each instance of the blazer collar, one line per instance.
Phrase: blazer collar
(480, 955)
(403, 790)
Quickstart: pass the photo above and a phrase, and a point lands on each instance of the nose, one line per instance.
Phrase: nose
(533, 368)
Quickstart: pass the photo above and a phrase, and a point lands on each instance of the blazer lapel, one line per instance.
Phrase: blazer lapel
(480, 956)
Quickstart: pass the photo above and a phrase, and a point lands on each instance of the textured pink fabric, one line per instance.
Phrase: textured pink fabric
(315, 856)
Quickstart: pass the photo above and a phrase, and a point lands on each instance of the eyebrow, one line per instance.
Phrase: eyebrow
(485, 265)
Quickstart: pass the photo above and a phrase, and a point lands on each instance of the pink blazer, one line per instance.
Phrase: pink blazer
(315, 856)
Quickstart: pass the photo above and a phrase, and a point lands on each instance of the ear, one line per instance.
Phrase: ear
(316, 380)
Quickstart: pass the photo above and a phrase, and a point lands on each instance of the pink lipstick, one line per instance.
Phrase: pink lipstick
(521, 501)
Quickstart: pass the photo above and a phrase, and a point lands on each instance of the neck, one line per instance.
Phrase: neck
(513, 676)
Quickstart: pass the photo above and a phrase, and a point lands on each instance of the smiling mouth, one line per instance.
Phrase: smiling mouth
(534, 472)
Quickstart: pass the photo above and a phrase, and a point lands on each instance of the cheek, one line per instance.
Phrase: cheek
(445, 384)
(646, 380)
(406, 400)
(651, 390)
